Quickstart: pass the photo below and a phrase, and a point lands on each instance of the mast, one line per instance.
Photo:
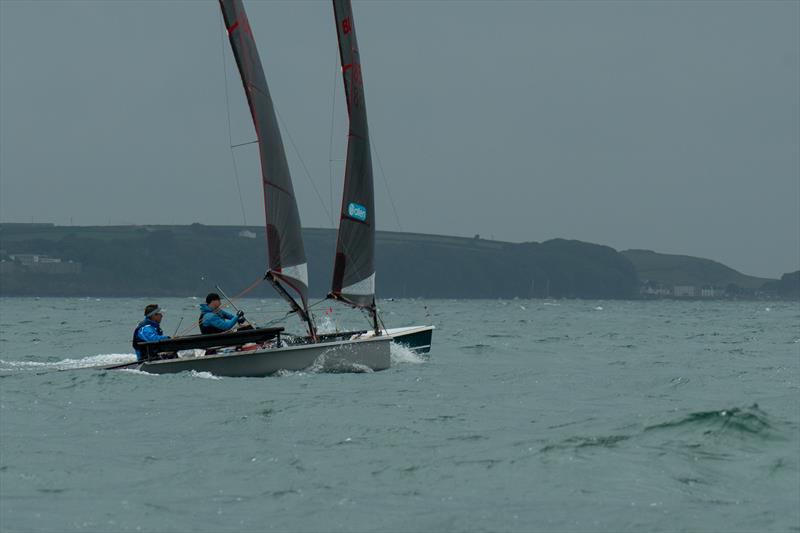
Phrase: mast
(287, 268)
(354, 267)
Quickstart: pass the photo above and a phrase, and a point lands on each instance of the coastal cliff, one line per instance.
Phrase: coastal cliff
(190, 260)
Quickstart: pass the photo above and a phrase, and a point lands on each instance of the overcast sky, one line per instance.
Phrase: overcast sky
(672, 126)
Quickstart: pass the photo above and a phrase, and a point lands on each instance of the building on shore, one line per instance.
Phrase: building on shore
(655, 289)
(40, 264)
(710, 291)
(683, 291)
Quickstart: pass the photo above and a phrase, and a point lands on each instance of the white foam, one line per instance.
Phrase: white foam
(137, 372)
(358, 368)
(333, 360)
(326, 325)
(203, 375)
(67, 364)
(318, 366)
(282, 373)
(403, 354)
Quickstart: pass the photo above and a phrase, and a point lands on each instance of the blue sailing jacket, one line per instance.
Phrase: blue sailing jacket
(218, 321)
(147, 331)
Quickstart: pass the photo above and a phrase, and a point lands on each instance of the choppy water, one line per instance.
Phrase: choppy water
(530, 415)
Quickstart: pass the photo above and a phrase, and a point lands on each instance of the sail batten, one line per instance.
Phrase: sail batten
(286, 254)
(354, 267)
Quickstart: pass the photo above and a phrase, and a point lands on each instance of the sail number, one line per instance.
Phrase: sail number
(347, 26)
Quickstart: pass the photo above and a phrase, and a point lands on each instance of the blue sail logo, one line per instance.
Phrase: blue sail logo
(357, 211)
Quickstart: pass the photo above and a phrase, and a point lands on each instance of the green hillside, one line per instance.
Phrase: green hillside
(786, 287)
(190, 260)
(669, 269)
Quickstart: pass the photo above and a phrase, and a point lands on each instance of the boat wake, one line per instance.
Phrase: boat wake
(202, 375)
(326, 363)
(67, 364)
(136, 372)
(335, 362)
(403, 355)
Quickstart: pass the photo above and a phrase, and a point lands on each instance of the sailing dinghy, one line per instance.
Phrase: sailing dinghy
(264, 351)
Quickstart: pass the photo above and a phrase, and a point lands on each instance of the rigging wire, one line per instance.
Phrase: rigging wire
(330, 144)
(193, 325)
(336, 71)
(386, 183)
(244, 144)
(230, 134)
(278, 320)
(330, 211)
(303, 164)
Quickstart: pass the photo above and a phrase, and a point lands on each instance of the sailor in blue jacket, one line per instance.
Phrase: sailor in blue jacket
(148, 329)
(215, 320)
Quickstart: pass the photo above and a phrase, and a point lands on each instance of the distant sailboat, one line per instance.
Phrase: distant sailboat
(260, 352)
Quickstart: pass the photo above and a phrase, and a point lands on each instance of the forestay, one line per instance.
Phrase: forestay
(354, 268)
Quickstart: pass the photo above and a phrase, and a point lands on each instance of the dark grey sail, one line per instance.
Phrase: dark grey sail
(354, 268)
(287, 258)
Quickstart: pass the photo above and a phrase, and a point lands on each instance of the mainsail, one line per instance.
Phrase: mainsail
(287, 258)
(354, 269)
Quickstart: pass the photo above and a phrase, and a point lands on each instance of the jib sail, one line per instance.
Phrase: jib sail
(354, 267)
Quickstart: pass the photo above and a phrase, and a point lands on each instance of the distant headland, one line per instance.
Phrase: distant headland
(50, 260)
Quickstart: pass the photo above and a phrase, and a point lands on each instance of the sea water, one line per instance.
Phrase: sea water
(529, 415)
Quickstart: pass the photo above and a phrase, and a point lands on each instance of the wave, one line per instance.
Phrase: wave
(747, 421)
(604, 441)
(68, 364)
(190, 373)
(700, 434)
(202, 375)
(137, 372)
(333, 362)
(477, 347)
(403, 354)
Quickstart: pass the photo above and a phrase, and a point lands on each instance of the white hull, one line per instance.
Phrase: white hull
(415, 338)
(339, 356)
